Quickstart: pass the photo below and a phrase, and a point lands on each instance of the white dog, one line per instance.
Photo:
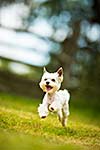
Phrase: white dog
(55, 100)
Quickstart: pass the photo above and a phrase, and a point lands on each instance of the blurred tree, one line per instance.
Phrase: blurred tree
(72, 31)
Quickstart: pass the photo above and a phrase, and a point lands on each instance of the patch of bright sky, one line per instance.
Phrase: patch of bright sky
(61, 20)
(41, 27)
(60, 24)
(22, 55)
(65, 17)
(24, 40)
(62, 33)
(12, 15)
(92, 32)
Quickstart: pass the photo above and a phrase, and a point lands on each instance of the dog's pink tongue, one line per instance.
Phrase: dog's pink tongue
(48, 87)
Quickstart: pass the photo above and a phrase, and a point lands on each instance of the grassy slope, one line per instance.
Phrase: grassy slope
(20, 127)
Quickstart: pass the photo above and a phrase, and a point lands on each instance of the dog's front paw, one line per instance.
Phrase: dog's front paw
(42, 117)
(43, 111)
(51, 109)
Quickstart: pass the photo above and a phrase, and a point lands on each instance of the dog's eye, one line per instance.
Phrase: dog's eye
(45, 79)
(53, 80)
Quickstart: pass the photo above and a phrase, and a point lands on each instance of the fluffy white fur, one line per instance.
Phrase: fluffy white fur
(55, 100)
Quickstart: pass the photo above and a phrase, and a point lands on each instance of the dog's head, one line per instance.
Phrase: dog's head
(51, 82)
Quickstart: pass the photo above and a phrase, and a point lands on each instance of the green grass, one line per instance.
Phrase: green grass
(21, 127)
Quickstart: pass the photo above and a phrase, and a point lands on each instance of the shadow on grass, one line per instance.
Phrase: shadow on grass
(15, 141)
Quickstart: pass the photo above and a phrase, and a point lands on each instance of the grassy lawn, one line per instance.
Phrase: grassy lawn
(21, 127)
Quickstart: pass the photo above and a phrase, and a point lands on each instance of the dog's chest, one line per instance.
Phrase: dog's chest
(51, 99)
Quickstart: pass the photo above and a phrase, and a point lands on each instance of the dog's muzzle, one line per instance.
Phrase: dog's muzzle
(48, 87)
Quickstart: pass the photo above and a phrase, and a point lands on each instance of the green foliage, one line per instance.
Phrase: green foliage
(21, 127)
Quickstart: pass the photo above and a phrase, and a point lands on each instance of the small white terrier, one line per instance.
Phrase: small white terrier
(55, 100)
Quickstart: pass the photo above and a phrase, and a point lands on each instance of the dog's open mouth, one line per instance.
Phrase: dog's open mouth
(48, 87)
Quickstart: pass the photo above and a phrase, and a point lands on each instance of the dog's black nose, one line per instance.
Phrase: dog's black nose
(47, 83)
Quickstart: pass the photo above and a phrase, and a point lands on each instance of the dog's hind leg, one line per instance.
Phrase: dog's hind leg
(64, 119)
(65, 113)
(61, 117)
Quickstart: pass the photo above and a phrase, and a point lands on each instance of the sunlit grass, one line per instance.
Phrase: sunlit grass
(21, 127)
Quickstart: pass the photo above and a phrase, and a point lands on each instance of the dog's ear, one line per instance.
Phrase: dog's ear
(44, 70)
(60, 73)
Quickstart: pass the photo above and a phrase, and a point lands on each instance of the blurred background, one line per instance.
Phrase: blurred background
(51, 33)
